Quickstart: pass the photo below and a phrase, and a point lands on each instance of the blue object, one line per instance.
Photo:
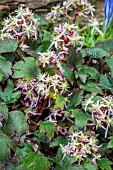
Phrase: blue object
(108, 13)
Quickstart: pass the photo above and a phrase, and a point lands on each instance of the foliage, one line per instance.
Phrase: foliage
(8, 96)
(104, 164)
(16, 124)
(6, 144)
(48, 127)
(27, 69)
(5, 68)
(8, 46)
(56, 86)
(35, 161)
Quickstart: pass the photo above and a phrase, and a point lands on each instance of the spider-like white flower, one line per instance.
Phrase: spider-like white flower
(90, 9)
(108, 102)
(95, 25)
(88, 101)
(97, 105)
(64, 86)
(75, 39)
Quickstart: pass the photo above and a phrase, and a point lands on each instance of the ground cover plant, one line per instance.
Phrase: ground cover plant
(56, 86)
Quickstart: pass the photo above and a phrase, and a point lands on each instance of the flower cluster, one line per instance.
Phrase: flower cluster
(21, 25)
(44, 87)
(50, 57)
(68, 33)
(102, 112)
(69, 5)
(65, 35)
(51, 84)
(80, 146)
(81, 8)
(29, 97)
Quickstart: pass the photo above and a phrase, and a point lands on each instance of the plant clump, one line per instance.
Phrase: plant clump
(56, 104)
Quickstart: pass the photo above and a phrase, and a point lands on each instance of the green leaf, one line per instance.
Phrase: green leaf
(7, 46)
(106, 82)
(59, 102)
(67, 72)
(110, 63)
(47, 36)
(41, 20)
(88, 165)
(50, 70)
(9, 56)
(81, 118)
(6, 144)
(74, 59)
(104, 164)
(35, 161)
(74, 100)
(90, 86)
(57, 141)
(27, 69)
(21, 53)
(25, 150)
(95, 52)
(16, 123)
(20, 167)
(107, 45)
(3, 111)
(5, 67)
(48, 127)
(41, 136)
(32, 53)
(110, 144)
(1, 75)
(85, 71)
(43, 47)
(8, 96)
(69, 167)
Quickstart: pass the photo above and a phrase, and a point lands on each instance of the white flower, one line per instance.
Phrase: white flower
(97, 105)
(88, 101)
(95, 25)
(90, 9)
(107, 102)
(42, 77)
(56, 41)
